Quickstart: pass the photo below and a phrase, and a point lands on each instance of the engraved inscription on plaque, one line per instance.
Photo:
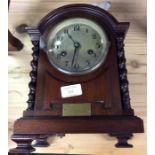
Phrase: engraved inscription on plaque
(78, 109)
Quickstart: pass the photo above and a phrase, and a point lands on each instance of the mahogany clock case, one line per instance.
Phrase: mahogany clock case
(106, 88)
(98, 87)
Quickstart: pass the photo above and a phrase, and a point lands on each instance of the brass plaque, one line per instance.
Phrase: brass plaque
(78, 109)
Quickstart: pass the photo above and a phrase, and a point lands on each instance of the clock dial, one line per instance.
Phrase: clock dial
(77, 46)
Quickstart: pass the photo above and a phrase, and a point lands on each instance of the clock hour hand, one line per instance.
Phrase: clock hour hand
(70, 37)
(76, 48)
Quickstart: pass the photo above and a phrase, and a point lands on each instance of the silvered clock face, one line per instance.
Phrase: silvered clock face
(77, 46)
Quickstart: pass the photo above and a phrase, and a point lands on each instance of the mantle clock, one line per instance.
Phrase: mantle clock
(78, 79)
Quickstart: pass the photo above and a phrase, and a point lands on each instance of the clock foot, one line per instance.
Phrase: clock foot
(23, 144)
(122, 140)
(41, 141)
(61, 135)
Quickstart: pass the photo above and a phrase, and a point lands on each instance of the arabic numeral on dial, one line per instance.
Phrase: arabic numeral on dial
(76, 28)
(58, 38)
(94, 36)
(76, 66)
(98, 45)
(95, 55)
(65, 31)
(61, 38)
(88, 62)
(58, 56)
(57, 46)
(66, 63)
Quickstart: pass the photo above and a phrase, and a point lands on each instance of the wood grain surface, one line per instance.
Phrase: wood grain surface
(30, 12)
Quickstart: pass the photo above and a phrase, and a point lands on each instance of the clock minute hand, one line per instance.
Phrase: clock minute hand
(77, 46)
(73, 57)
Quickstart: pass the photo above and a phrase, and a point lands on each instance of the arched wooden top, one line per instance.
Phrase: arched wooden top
(113, 28)
(84, 10)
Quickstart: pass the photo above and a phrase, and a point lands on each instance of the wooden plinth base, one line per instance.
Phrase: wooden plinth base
(30, 128)
(54, 125)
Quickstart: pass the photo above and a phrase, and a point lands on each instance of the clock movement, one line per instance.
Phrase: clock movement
(78, 79)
